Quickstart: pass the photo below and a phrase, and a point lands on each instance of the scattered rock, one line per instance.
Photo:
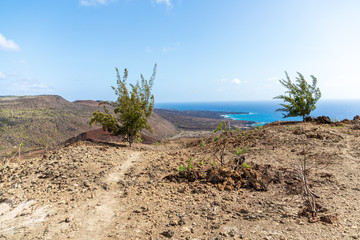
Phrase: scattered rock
(226, 178)
(181, 222)
(187, 206)
(244, 211)
(331, 219)
(172, 223)
(232, 233)
(308, 119)
(168, 233)
(215, 226)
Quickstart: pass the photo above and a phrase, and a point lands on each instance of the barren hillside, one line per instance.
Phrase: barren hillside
(110, 191)
(46, 121)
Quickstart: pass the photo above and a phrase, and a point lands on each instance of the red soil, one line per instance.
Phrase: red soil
(99, 135)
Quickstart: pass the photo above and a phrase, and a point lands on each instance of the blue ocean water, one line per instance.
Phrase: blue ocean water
(262, 112)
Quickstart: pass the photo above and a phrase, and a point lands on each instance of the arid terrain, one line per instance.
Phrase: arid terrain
(89, 190)
(46, 121)
(199, 120)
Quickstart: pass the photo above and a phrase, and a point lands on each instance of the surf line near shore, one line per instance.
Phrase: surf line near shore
(262, 112)
(254, 118)
(252, 112)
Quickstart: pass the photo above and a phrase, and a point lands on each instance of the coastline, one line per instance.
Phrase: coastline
(200, 120)
(263, 112)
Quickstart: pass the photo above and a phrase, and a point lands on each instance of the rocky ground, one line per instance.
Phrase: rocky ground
(108, 191)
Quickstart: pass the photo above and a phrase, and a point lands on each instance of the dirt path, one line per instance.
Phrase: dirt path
(99, 191)
(94, 218)
(119, 171)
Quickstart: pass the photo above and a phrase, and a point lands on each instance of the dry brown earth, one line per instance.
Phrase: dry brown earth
(105, 191)
(42, 122)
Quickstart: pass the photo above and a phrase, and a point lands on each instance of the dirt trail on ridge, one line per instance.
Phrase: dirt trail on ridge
(92, 216)
(99, 191)
(95, 217)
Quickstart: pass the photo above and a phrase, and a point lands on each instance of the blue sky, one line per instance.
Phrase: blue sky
(206, 50)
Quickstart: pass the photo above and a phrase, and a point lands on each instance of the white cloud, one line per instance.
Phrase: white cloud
(16, 85)
(236, 81)
(2, 75)
(8, 44)
(166, 2)
(31, 87)
(88, 3)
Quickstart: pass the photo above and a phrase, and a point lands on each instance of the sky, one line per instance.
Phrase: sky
(206, 50)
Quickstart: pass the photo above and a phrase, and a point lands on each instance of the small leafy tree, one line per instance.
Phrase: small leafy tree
(132, 108)
(300, 98)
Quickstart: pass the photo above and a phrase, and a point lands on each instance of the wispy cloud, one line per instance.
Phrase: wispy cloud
(166, 2)
(6, 44)
(17, 85)
(236, 81)
(30, 87)
(92, 3)
(229, 84)
(88, 3)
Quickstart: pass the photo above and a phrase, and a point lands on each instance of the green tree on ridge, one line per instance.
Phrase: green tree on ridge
(300, 98)
(132, 109)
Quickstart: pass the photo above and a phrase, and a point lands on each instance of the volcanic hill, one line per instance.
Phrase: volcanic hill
(39, 122)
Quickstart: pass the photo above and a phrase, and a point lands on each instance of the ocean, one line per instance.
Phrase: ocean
(262, 112)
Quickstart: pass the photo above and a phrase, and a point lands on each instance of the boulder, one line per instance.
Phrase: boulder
(323, 120)
(308, 119)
